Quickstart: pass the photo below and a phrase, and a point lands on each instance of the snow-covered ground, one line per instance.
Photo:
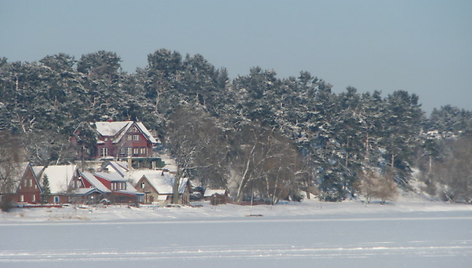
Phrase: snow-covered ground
(407, 233)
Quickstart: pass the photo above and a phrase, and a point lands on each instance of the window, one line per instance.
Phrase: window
(136, 137)
(30, 183)
(104, 152)
(130, 151)
(33, 199)
(129, 137)
(22, 198)
(143, 151)
(122, 151)
(135, 151)
(143, 185)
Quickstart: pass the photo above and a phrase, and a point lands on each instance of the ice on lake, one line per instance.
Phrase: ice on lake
(310, 234)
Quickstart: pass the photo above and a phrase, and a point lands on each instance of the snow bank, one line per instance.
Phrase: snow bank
(203, 210)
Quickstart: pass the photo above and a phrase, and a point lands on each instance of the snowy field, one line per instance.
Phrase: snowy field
(407, 233)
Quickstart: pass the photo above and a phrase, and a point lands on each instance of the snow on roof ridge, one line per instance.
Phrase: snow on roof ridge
(106, 128)
(146, 132)
(110, 176)
(210, 192)
(163, 182)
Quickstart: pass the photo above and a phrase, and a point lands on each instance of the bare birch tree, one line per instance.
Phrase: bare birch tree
(373, 184)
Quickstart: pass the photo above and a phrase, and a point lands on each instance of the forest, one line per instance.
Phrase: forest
(256, 135)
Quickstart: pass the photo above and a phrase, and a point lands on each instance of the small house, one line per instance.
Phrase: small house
(216, 196)
(158, 185)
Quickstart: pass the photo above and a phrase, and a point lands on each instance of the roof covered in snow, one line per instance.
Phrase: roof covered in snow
(146, 132)
(210, 192)
(163, 182)
(37, 170)
(119, 128)
(121, 167)
(130, 190)
(59, 177)
(85, 191)
(95, 182)
(111, 176)
(111, 128)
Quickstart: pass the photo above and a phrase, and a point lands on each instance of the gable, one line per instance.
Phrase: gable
(29, 182)
(106, 129)
(117, 130)
(120, 167)
(90, 181)
(94, 182)
(163, 182)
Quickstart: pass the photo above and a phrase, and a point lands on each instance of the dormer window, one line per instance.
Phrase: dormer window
(116, 186)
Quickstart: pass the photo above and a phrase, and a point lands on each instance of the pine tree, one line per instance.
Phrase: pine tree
(46, 190)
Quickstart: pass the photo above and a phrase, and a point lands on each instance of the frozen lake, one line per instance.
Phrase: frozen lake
(375, 239)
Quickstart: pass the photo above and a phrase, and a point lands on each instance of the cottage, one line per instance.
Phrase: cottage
(158, 185)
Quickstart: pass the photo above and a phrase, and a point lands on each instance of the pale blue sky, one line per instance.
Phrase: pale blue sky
(421, 46)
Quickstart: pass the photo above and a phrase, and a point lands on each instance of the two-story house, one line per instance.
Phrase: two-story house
(28, 188)
(122, 140)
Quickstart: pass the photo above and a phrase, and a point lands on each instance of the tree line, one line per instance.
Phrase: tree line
(257, 135)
